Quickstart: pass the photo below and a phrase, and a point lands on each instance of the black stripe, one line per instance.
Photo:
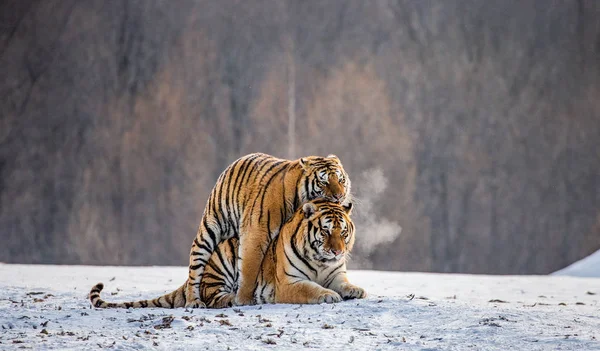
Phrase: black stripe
(233, 260)
(201, 264)
(293, 265)
(243, 167)
(296, 190)
(333, 271)
(245, 182)
(211, 234)
(202, 260)
(295, 249)
(227, 190)
(170, 302)
(196, 241)
(312, 235)
(274, 247)
(211, 200)
(246, 164)
(287, 169)
(293, 276)
(224, 262)
(256, 171)
(213, 297)
(218, 270)
(306, 189)
(217, 210)
(234, 226)
(271, 163)
(262, 290)
(283, 200)
(275, 162)
(204, 247)
(217, 277)
(266, 186)
(314, 185)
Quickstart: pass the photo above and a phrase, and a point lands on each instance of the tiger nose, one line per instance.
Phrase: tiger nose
(337, 252)
(338, 196)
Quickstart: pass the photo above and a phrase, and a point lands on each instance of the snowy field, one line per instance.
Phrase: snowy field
(46, 307)
(587, 267)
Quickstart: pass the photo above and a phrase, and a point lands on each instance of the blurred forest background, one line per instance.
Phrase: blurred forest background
(473, 125)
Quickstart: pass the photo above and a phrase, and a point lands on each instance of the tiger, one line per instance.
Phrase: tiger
(252, 199)
(304, 264)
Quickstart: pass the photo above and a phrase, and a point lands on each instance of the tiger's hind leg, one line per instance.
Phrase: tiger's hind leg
(252, 248)
(219, 283)
(204, 245)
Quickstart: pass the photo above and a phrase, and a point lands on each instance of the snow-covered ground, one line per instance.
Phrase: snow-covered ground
(587, 267)
(46, 307)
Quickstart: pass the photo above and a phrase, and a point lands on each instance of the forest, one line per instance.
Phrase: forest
(470, 129)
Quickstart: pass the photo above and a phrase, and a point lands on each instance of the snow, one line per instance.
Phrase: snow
(587, 267)
(46, 307)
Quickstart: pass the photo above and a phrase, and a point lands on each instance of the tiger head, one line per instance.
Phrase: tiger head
(324, 177)
(329, 233)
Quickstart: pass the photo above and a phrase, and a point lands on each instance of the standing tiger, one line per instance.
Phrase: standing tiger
(305, 263)
(251, 201)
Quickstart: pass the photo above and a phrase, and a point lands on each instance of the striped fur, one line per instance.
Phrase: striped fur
(218, 287)
(170, 300)
(250, 202)
(305, 264)
(252, 199)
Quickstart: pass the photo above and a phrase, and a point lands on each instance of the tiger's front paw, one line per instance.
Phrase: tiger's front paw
(195, 303)
(328, 296)
(350, 291)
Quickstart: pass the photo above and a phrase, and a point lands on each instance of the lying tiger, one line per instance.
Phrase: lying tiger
(305, 264)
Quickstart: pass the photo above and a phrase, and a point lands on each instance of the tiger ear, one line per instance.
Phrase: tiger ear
(348, 208)
(332, 156)
(305, 163)
(309, 209)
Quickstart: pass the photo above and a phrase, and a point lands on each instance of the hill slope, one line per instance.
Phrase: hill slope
(586, 267)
